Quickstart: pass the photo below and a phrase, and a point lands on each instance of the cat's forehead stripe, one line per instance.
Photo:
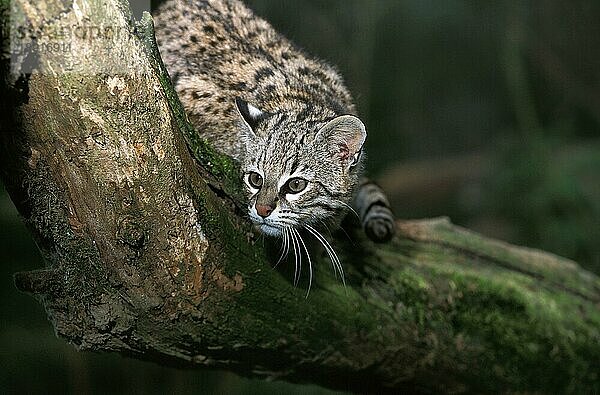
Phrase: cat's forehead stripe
(294, 164)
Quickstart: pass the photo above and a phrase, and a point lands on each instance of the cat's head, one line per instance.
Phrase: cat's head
(298, 171)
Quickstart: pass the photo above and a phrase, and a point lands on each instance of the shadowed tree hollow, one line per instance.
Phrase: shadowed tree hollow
(148, 252)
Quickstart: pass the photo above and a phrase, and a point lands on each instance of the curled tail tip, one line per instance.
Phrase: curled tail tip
(381, 230)
(375, 212)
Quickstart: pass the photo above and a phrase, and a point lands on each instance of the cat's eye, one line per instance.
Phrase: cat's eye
(255, 180)
(295, 185)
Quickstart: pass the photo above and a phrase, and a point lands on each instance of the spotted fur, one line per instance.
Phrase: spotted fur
(283, 115)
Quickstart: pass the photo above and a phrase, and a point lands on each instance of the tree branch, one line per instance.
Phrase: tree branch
(148, 255)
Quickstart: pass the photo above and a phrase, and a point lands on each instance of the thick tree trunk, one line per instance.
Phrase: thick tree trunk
(148, 253)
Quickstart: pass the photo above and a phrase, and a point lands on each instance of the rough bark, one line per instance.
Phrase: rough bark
(149, 255)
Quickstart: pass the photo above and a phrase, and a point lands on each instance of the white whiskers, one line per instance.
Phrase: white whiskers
(291, 238)
(297, 257)
(309, 261)
(285, 247)
(335, 261)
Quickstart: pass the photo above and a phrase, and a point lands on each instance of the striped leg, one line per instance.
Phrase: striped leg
(376, 216)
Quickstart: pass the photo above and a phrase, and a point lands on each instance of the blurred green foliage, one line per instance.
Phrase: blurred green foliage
(551, 196)
(514, 82)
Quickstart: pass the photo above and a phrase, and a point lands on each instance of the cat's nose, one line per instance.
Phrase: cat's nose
(264, 210)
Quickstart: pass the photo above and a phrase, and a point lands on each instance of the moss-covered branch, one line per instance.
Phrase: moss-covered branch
(147, 253)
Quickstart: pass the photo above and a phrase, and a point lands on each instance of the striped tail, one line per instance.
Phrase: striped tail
(376, 216)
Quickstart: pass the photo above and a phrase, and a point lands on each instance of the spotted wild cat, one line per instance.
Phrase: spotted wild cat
(286, 117)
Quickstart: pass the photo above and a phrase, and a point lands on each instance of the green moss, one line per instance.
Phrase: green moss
(523, 328)
(518, 329)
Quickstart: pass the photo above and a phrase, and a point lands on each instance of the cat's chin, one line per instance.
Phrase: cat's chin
(269, 230)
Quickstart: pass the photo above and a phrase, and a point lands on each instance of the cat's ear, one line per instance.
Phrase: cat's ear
(345, 136)
(250, 114)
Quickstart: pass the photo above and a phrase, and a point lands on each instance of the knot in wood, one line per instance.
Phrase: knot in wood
(131, 233)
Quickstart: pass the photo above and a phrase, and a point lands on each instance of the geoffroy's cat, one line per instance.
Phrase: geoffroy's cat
(286, 117)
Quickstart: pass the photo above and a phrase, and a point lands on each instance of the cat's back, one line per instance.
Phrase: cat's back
(214, 38)
(216, 50)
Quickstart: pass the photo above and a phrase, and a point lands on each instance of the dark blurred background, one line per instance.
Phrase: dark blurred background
(487, 112)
